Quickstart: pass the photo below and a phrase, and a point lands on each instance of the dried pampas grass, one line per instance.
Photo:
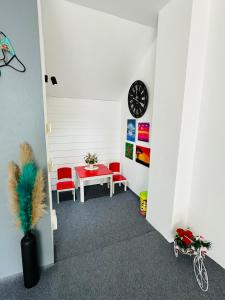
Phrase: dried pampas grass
(26, 188)
(38, 196)
(14, 173)
(26, 154)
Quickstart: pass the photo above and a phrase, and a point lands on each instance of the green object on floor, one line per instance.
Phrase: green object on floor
(143, 203)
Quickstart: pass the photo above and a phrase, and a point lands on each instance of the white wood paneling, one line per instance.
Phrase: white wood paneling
(79, 126)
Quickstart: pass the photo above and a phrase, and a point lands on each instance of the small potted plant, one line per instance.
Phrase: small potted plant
(26, 188)
(91, 159)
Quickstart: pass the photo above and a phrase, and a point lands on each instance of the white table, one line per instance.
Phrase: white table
(86, 175)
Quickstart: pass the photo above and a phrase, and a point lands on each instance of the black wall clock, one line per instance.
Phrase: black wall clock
(138, 99)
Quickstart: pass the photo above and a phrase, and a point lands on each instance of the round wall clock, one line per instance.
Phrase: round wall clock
(138, 99)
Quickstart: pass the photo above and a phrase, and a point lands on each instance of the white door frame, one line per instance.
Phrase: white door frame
(43, 69)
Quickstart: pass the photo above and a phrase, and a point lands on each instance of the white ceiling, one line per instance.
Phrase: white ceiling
(141, 11)
(93, 55)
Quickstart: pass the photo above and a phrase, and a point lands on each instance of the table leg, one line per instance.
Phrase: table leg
(81, 190)
(111, 186)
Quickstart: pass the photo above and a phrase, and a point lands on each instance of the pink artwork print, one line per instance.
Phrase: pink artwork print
(143, 132)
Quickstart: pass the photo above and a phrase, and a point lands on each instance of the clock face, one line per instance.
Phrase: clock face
(138, 99)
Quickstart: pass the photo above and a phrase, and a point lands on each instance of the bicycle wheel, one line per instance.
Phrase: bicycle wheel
(175, 250)
(201, 273)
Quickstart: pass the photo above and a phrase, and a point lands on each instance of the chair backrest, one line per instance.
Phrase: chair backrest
(64, 172)
(114, 167)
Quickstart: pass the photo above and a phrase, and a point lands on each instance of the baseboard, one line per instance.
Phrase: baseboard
(43, 268)
(54, 220)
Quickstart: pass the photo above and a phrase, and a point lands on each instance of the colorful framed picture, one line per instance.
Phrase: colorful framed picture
(143, 132)
(143, 155)
(129, 150)
(131, 130)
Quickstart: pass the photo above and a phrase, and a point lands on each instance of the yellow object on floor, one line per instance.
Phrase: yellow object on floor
(143, 203)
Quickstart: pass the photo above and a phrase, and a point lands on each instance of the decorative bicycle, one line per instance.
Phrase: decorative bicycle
(188, 244)
(198, 264)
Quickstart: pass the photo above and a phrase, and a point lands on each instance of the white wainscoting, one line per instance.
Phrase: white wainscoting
(79, 126)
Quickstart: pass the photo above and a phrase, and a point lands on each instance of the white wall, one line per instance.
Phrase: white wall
(92, 54)
(171, 61)
(188, 165)
(81, 126)
(192, 100)
(207, 205)
(137, 174)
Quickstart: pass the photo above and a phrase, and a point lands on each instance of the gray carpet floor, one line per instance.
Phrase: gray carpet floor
(110, 252)
(96, 223)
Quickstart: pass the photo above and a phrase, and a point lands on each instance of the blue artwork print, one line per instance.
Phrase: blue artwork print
(131, 130)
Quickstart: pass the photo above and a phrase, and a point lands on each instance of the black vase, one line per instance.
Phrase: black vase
(31, 271)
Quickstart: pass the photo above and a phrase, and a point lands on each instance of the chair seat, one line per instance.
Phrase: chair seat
(65, 185)
(118, 177)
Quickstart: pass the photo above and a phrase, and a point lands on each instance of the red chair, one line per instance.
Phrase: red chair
(117, 177)
(65, 185)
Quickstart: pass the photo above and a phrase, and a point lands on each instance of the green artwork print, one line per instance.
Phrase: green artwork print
(129, 150)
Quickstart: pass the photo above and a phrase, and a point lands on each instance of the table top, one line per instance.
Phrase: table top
(83, 173)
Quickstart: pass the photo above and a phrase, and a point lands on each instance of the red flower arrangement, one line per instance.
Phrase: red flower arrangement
(185, 240)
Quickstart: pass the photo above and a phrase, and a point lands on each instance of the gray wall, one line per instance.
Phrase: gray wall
(21, 119)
